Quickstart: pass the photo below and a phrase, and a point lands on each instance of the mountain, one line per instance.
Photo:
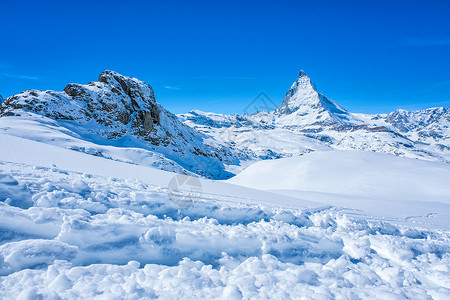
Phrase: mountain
(303, 101)
(308, 121)
(116, 111)
(430, 126)
(118, 118)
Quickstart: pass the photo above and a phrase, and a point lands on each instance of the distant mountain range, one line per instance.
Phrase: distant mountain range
(308, 121)
(118, 118)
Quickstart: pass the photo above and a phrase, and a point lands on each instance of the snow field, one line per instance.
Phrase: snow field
(69, 235)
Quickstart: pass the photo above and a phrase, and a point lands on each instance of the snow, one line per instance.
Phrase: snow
(79, 226)
(304, 105)
(375, 183)
(16, 150)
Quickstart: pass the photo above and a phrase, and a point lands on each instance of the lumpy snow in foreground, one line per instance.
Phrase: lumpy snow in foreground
(70, 230)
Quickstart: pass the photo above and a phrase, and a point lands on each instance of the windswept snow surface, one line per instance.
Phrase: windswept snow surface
(78, 226)
(404, 189)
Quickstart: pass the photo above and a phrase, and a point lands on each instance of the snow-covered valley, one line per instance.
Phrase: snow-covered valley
(105, 194)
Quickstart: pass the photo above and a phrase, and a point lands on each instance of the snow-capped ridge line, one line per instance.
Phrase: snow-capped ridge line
(309, 121)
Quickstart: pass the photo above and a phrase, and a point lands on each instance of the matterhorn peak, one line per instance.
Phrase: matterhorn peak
(301, 74)
(303, 100)
(302, 92)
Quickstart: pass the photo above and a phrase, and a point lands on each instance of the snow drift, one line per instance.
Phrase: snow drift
(375, 183)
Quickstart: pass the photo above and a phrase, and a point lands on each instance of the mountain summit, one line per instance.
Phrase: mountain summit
(302, 92)
(303, 100)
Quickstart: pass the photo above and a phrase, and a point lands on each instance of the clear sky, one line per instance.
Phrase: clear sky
(369, 56)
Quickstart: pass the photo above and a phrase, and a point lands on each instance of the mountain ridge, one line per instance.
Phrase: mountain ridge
(118, 118)
(307, 116)
(119, 108)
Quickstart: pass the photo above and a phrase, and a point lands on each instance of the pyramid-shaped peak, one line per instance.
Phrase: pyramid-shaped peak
(304, 99)
(304, 82)
(302, 74)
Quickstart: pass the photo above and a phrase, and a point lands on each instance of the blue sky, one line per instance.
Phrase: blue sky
(369, 56)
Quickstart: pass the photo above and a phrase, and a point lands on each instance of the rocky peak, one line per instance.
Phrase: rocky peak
(115, 102)
(117, 106)
(302, 92)
(132, 87)
(304, 81)
(410, 120)
(303, 100)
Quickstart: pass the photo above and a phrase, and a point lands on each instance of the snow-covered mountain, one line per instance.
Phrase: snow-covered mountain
(310, 107)
(308, 121)
(118, 118)
(320, 225)
(430, 126)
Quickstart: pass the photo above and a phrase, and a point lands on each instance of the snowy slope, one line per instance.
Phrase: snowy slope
(375, 183)
(78, 226)
(131, 150)
(15, 149)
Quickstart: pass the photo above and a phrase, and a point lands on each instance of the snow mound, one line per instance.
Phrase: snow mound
(352, 173)
(366, 183)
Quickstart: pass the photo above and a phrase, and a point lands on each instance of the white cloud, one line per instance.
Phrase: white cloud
(18, 76)
(427, 42)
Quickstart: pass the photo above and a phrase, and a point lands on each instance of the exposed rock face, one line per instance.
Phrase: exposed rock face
(115, 100)
(429, 126)
(117, 106)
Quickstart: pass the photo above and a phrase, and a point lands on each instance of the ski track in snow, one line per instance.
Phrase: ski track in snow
(71, 235)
